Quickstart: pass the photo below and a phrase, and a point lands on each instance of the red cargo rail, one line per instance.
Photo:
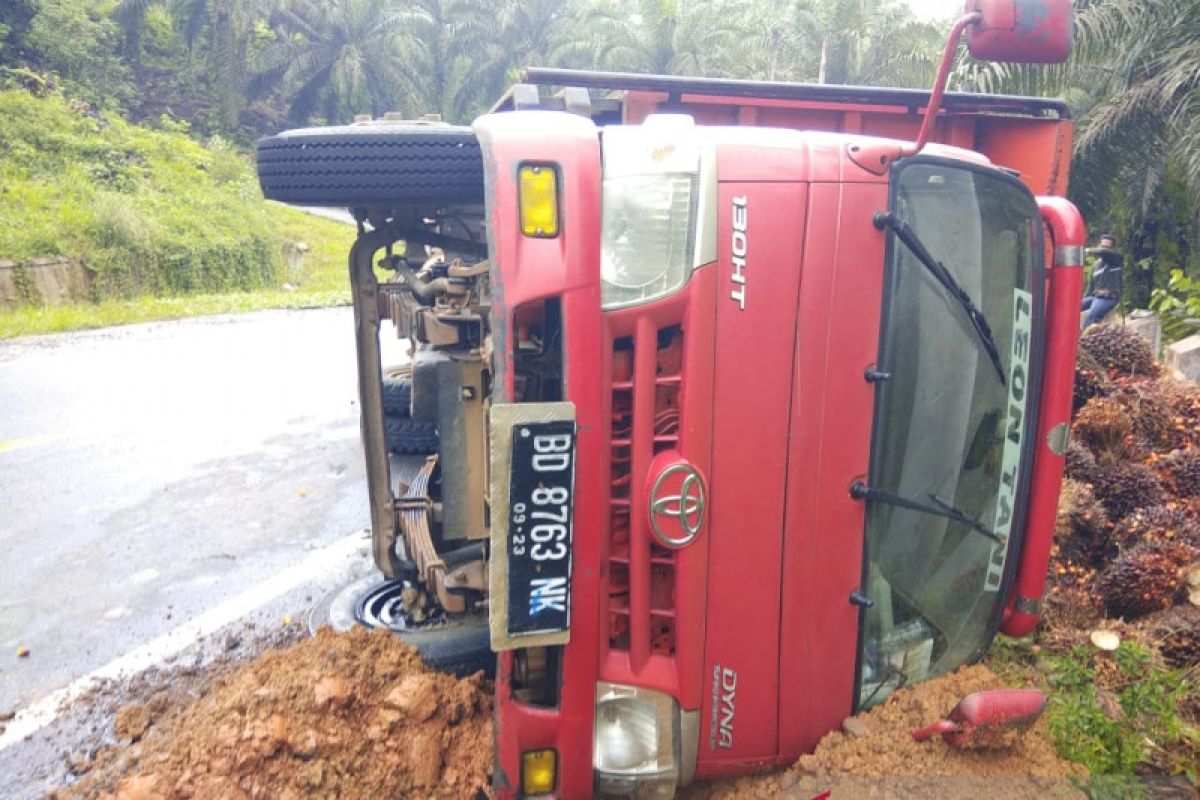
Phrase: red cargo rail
(1028, 135)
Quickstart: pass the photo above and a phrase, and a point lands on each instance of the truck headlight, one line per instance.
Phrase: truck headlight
(648, 209)
(636, 741)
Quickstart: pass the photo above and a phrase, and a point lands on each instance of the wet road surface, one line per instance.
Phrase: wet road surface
(151, 473)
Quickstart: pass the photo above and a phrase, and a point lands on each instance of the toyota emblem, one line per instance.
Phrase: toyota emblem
(677, 505)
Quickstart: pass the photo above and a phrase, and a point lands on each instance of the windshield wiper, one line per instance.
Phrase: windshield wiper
(939, 507)
(942, 275)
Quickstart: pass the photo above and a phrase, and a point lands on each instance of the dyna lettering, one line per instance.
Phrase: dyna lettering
(724, 693)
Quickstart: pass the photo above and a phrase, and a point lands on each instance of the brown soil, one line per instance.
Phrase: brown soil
(359, 715)
(337, 715)
(885, 761)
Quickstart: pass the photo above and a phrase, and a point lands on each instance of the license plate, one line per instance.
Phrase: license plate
(540, 511)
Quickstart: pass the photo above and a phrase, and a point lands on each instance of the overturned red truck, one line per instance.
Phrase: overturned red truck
(750, 398)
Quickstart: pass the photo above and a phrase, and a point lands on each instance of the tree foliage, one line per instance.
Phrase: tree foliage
(335, 59)
(243, 67)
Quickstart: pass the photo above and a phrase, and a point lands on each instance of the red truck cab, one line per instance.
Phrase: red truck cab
(752, 410)
(761, 370)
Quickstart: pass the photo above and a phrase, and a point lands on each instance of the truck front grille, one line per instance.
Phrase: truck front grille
(647, 380)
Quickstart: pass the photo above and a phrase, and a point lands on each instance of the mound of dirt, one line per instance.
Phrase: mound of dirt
(876, 756)
(352, 715)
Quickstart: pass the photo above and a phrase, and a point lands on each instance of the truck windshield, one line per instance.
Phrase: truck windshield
(951, 430)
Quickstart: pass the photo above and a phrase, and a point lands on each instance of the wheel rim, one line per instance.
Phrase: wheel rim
(381, 607)
(369, 602)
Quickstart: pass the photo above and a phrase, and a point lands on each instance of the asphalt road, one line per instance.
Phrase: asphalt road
(149, 473)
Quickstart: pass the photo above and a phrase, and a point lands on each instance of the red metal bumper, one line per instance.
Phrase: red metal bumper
(527, 269)
(1064, 290)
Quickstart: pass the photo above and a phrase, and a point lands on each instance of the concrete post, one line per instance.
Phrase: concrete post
(1183, 358)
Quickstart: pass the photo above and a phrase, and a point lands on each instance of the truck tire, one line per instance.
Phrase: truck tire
(407, 437)
(461, 645)
(397, 396)
(379, 164)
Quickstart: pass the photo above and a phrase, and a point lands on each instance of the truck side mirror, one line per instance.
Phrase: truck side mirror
(1024, 31)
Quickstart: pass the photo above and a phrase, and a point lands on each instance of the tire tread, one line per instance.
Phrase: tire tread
(372, 165)
(409, 437)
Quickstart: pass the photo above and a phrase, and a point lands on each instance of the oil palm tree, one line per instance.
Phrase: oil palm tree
(876, 42)
(1133, 85)
(780, 39)
(130, 15)
(220, 34)
(336, 58)
(536, 31)
(659, 36)
(1144, 57)
(452, 55)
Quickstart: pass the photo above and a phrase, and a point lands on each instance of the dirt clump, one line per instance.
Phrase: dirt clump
(414, 698)
(131, 721)
(353, 714)
(881, 759)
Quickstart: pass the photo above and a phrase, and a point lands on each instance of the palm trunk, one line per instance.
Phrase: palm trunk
(824, 60)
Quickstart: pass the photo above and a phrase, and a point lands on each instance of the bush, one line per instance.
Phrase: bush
(1120, 733)
(1178, 306)
(148, 211)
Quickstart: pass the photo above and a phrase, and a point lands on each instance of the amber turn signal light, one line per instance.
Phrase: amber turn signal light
(537, 186)
(539, 772)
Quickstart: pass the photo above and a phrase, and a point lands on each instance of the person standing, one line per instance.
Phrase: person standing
(1104, 287)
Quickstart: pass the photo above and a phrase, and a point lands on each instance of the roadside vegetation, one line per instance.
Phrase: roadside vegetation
(164, 225)
(1126, 715)
(319, 281)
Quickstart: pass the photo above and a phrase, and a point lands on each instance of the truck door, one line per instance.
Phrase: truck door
(829, 446)
(761, 233)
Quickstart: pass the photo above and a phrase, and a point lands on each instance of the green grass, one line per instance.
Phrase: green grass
(165, 225)
(54, 319)
(322, 280)
(1121, 735)
(1014, 660)
(1133, 730)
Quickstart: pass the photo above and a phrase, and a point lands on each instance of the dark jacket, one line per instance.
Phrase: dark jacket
(1106, 273)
